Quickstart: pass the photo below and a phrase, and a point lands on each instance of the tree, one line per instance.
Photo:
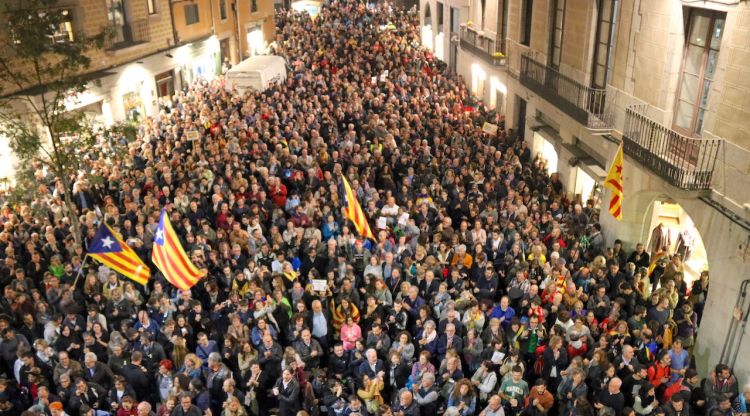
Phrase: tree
(42, 69)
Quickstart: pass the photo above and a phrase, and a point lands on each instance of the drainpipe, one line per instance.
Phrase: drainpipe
(236, 8)
(174, 26)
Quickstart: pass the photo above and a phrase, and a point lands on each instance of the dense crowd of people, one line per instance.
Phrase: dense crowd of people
(489, 290)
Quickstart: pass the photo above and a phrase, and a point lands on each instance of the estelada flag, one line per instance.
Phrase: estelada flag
(108, 248)
(354, 211)
(614, 183)
(169, 256)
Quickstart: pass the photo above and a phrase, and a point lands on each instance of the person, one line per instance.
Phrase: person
(539, 401)
(494, 407)
(186, 407)
(370, 392)
(720, 382)
(513, 391)
(612, 397)
(645, 401)
(406, 406)
(287, 392)
(462, 398)
(572, 388)
(426, 395)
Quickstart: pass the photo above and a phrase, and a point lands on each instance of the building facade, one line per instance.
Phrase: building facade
(158, 46)
(667, 78)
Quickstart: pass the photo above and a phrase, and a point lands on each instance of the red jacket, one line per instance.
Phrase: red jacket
(656, 372)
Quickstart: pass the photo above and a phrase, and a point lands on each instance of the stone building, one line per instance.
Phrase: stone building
(667, 78)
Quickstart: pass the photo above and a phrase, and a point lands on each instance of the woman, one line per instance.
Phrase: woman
(233, 407)
(571, 389)
(485, 380)
(350, 333)
(341, 312)
(427, 339)
(474, 318)
(71, 342)
(463, 398)
(645, 402)
(473, 348)
(404, 347)
(382, 294)
(370, 392)
(245, 358)
(192, 366)
(374, 268)
(555, 360)
(422, 366)
(167, 407)
(131, 294)
(237, 329)
(372, 311)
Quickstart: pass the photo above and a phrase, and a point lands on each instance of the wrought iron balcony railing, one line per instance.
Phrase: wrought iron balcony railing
(584, 104)
(685, 162)
(129, 34)
(490, 50)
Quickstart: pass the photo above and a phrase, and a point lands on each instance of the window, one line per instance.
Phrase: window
(191, 14)
(527, 7)
(253, 6)
(64, 27)
(223, 9)
(605, 42)
(117, 21)
(440, 17)
(704, 31)
(556, 33)
(151, 6)
(502, 33)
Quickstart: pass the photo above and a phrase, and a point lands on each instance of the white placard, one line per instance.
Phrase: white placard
(320, 285)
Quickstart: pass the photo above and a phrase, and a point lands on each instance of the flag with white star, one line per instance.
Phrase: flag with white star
(109, 249)
(169, 256)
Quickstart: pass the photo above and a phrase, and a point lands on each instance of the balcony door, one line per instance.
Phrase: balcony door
(606, 29)
(118, 21)
(704, 32)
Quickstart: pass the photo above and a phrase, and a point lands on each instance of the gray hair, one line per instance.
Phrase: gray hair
(214, 357)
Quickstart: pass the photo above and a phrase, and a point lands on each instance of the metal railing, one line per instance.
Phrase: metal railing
(129, 34)
(685, 162)
(489, 49)
(584, 104)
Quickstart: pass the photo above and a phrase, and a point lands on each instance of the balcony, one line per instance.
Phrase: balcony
(586, 105)
(685, 162)
(128, 34)
(490, 50)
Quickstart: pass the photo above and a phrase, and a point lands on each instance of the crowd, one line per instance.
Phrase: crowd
(489, 290)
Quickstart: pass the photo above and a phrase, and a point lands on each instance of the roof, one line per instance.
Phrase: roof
(259, 62)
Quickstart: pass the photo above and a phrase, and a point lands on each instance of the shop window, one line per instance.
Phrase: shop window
(704, 32)
(604, 45)
(223, 9)
(191, 14)
(527, 9)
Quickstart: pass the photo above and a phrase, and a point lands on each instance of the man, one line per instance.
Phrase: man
(626, 363)
(504, 312)
(217, 374)
(406, 405)
(513, 390)
(494, 407)
(631, 385)
(205, 347)
(677, 406)
(378, 340)
(339, 362)
(612, 397)
(269, 356)
(287, 392)
(144, 409)
(426, 395)
(322, 325)
(354, 408)
(308, 349)
(540, 400)
(153, 353)
(86, 394)
(138, 376)
(66, 366)
(97, 372)
(186, 407)
(720, 382)
(372, 366)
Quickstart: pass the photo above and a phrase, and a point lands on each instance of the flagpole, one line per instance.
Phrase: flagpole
(80, 271)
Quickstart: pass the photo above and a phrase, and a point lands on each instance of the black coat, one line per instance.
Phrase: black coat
(139, 380)
(289, 398)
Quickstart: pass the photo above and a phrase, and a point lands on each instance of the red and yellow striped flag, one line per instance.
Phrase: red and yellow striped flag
(614, 183)
(169, 256)
(354, 211)
(108, 248)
